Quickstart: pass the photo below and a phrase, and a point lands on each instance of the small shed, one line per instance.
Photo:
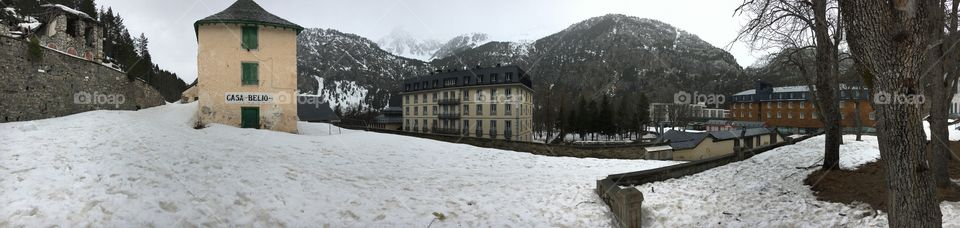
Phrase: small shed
(316, 111)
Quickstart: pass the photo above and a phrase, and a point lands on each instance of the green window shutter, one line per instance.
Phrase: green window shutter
(250, 73)
(250, 38)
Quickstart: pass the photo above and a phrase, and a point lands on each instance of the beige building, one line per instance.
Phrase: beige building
(693, 146)
(247, 68)
(494, 103)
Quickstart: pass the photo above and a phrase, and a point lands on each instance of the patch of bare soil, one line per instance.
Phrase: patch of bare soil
(866, 184)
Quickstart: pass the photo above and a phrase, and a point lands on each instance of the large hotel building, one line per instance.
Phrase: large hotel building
(792, 108)
(493, 103)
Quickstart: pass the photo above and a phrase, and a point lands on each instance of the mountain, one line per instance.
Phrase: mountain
(401, 43)
(350, 70)
(459, 44)
(616, 55)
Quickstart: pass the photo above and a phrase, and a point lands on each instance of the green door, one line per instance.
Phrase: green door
(250, 117)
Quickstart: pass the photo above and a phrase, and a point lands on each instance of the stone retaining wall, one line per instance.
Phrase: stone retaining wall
(625, 201)
(623, 151)
(61, 85)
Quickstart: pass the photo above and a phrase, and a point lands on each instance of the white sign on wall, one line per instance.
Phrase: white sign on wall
(250, 98)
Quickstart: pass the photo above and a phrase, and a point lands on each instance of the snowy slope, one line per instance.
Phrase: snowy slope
(766, 191)
(150, 168)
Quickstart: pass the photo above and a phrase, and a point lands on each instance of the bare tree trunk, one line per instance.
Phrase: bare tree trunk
(826, 85)
(890, 39)
(941, 81)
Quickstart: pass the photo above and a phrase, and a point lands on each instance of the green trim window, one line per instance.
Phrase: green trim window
(250, 117)
(250, 73)
(250, 38)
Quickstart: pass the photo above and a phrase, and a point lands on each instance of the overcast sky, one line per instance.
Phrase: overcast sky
(168, 24)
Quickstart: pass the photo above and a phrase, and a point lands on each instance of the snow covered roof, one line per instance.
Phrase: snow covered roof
(658, 148)
(68, 10)
(732, 134)
(247, 11)
(799, 88)
(311, 110)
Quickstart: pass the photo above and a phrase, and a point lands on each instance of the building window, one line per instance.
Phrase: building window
(778, 115)
(416, 111)
(803, 104)
(768, 115)
(250, 117)
(250, 74)
(250, 40)
(802, 116)
(813, 115)
(479, 78)
(494, 78)
(466, 80)
(493, 109)
(479, 110)
(466, 110)
(493, 129)
(493, 95)
(508, 109)
(509, 76)
(507, 129)
(466, 96)
(434, 97)
(789, 115)
(466, 128)
(434, 110)
(779, 104)
(769, 104)
(479, 130)
(406, 110)
(873, 115)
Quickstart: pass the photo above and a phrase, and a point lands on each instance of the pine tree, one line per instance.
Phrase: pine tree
(643, 114)
(605, 117)
(88, 7)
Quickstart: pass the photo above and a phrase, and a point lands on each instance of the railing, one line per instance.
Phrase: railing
(450, 115)
(447, 131)
(450, 101)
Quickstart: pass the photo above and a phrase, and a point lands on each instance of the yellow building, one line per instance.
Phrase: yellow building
(494, 103)
(693, 146)
(247, 68)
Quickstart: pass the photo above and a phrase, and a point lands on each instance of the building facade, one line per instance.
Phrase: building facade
(494, 103)
(247, 68)
(71, 31)
(792, 107)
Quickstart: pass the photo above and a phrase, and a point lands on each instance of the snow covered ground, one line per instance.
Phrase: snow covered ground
(766, 191)
(150, 168)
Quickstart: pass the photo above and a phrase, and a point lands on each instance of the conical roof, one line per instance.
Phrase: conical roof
(247, 12)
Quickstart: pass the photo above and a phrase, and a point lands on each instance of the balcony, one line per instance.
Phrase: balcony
(449, 115)
(446, 131)
(450, 101)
